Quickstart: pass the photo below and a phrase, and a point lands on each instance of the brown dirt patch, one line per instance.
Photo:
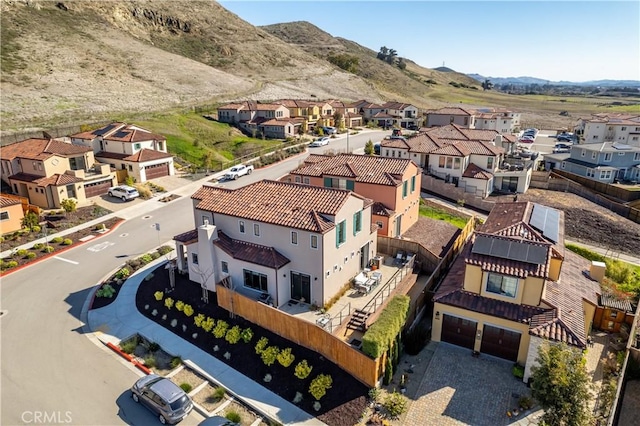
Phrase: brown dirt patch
(186, 375)
(587, 222)
(247, 417)
(206, 398)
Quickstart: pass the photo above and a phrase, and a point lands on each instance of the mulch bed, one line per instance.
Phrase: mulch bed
(343, 404)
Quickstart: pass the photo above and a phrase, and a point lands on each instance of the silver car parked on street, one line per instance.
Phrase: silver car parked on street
(163, 397)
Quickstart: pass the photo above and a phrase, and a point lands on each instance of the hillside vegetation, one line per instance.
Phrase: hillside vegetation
(76, 62)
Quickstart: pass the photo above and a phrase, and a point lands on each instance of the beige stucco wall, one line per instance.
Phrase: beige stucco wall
(481, 319)
(532, 291)
(14, 221)
(472, 278)
(589, 313)
(555, 268)
(445, 119)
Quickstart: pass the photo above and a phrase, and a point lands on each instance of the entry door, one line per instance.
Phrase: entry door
(398, 225)
(301, 287)
(364, 256)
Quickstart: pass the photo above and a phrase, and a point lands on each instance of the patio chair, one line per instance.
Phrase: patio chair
(398, 260)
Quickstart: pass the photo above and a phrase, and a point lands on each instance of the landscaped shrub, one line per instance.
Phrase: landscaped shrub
(56, 240)
(188, 310)
(31, 255)
(146, 258)
(261, 345)
(36, 228)
(48, 249)
(175, 361)
(388, 372)
(218, 394)
(221, 329)
(269, 355)
(319, 385)
(168, 302)
(207, 325)
(21, 252)
(198, 320)
(234, 417)
(164, 249)
(518, 371)
(122, 274)
(38, 246)
(233, 335)
(158, 295)
(129, 345)
(247, 335)
(134, 263)
(179, 305)
(186, 387)
(67, 242)
(303, 369)
(10, 264)
(150, 361)
(395, 404)
(106, 291)
(285, 357)
(377, 339)
(155, 255)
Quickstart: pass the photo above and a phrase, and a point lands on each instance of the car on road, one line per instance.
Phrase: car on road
(238, 171)
(527, 139)
(564, 138)
(124, 192)
(163, 397)
(320, 142)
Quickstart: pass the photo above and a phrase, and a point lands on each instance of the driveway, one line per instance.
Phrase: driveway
(460, 389)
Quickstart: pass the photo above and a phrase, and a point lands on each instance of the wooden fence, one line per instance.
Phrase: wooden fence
(451, 192)
(303, 333)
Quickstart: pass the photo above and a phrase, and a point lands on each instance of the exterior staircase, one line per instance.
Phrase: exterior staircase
(358, 320)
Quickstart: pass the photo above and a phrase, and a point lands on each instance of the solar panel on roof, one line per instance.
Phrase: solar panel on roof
(121, 134)
(518, 251)
(104, 130)
(512, 250)
(500, 248)
(482, 245)
(547, 221)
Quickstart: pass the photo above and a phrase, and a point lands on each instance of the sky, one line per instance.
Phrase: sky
(572, 40)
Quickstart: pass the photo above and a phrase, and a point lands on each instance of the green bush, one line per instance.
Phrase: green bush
(188, 310)
(319, 385)
(175, 361)
(285, 357)
(303, 369)
(67, 242)
(218, 394)
(269, 355)
(158, 295)
(155, 255)
(207, 324)
(164, 250)
(233, 417)
(31, 255)
(106, 291)
(129, 345)
(221, 329)
(186, 387)
(168, 302)
(146, 258)
(150, 361)
(518, 371)
(134, 264)
(247, 335)
(122, 273)
(56, 240)
(21, 252)
(179, 305)
(11, 264)
(198, 320)
(36, 228)
(395, 404)
(48, 249)
(388, 372)
(38, 246)
(261, 345)
(233, 335)
(377, 339)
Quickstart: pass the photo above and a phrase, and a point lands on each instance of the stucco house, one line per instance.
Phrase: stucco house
(11, 214)
(141, 153)
(392, 183)
(450, 115)
(514, 286)
(501, 120)
(606, 162)
(47, 171)
(620, 128)
(290, 241)
(404, 115)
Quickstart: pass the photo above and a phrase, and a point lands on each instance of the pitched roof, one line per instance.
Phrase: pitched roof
(453, 150)
(120, 132)
(280, 122)
(40, 149)
(362, 168)
(396, 105)
(380, 209)
(475, 172)
(454, 131)
(53, 180)
(6, 201)
(279, 203)
(187, 237)
(450, 111)
(249, 252)
(141, 156)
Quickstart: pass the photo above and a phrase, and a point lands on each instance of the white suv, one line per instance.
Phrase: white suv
(124, 192)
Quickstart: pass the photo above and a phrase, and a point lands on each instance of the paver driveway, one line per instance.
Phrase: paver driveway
(460, 389)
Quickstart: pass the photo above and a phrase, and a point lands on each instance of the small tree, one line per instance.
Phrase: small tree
(487, 84)
(368, 148)
(69, 205)
(561, 385)
(30, 220)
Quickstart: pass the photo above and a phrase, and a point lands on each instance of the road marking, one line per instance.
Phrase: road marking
(101, 246)
(66, 260)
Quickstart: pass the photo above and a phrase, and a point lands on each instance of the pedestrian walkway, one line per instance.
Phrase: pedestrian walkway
(121, 320)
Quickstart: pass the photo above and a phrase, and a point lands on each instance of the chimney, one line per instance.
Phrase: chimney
(497, 141)
(597, 270)
(207, 260)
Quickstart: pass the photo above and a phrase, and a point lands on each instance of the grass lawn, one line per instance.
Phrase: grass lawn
(438, 214)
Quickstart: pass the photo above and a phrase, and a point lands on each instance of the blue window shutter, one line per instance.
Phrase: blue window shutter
(413, 183)
(350, 185)
(327, 182)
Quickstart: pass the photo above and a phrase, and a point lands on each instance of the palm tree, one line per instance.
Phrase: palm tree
(391, 56)
(382, 54)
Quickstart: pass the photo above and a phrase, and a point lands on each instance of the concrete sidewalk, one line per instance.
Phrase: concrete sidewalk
(121, 320)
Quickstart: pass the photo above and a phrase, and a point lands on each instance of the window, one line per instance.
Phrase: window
(502, 285)
(380, 224)
(241, 224)
(490, 163)
(297, 179)
(225, 267)
(623, 128)
(563, 165)
(294, 238)
(605, 174)
(4, 215)
(341, 233)
(314, 241)
(160, 146)
(136, 146)
(591, 173)
(71, 191)
(441, 161)
(404, 188)
(357, 222)
(607, 156)
(256, 229)
(207, 221)
(194, 258)
(255, 280)
(456, 163)
(614, 314)
(338, 183)
(413, 184)
(387, 153)
(130, 168)
(449, 162)
(636, 156)
(594, 155)
(306, 181)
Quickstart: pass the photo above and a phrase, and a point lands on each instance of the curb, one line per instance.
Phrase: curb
(129, 358)
(57, 252)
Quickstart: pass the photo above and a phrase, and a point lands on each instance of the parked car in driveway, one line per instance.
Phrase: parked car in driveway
(561, 148)
(124, 192)
(329, 130)
(163, 397)
(564, 138)
(320, 142)
(527, 139)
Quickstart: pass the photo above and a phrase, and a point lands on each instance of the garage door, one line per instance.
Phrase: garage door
(157, 170)
(96, 188)
(459, 331)
(500, 342)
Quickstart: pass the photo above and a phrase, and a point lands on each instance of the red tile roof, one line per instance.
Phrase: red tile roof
(40, 149)
(453, 150)
(141, 156)
(381, 210)
(280, 122)
(450, 111)
(475, 172)
(362, 168)
(279, 203)
(53, 180)
(249, 252)
(6, 201)
(188, 237)
(120, 132)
